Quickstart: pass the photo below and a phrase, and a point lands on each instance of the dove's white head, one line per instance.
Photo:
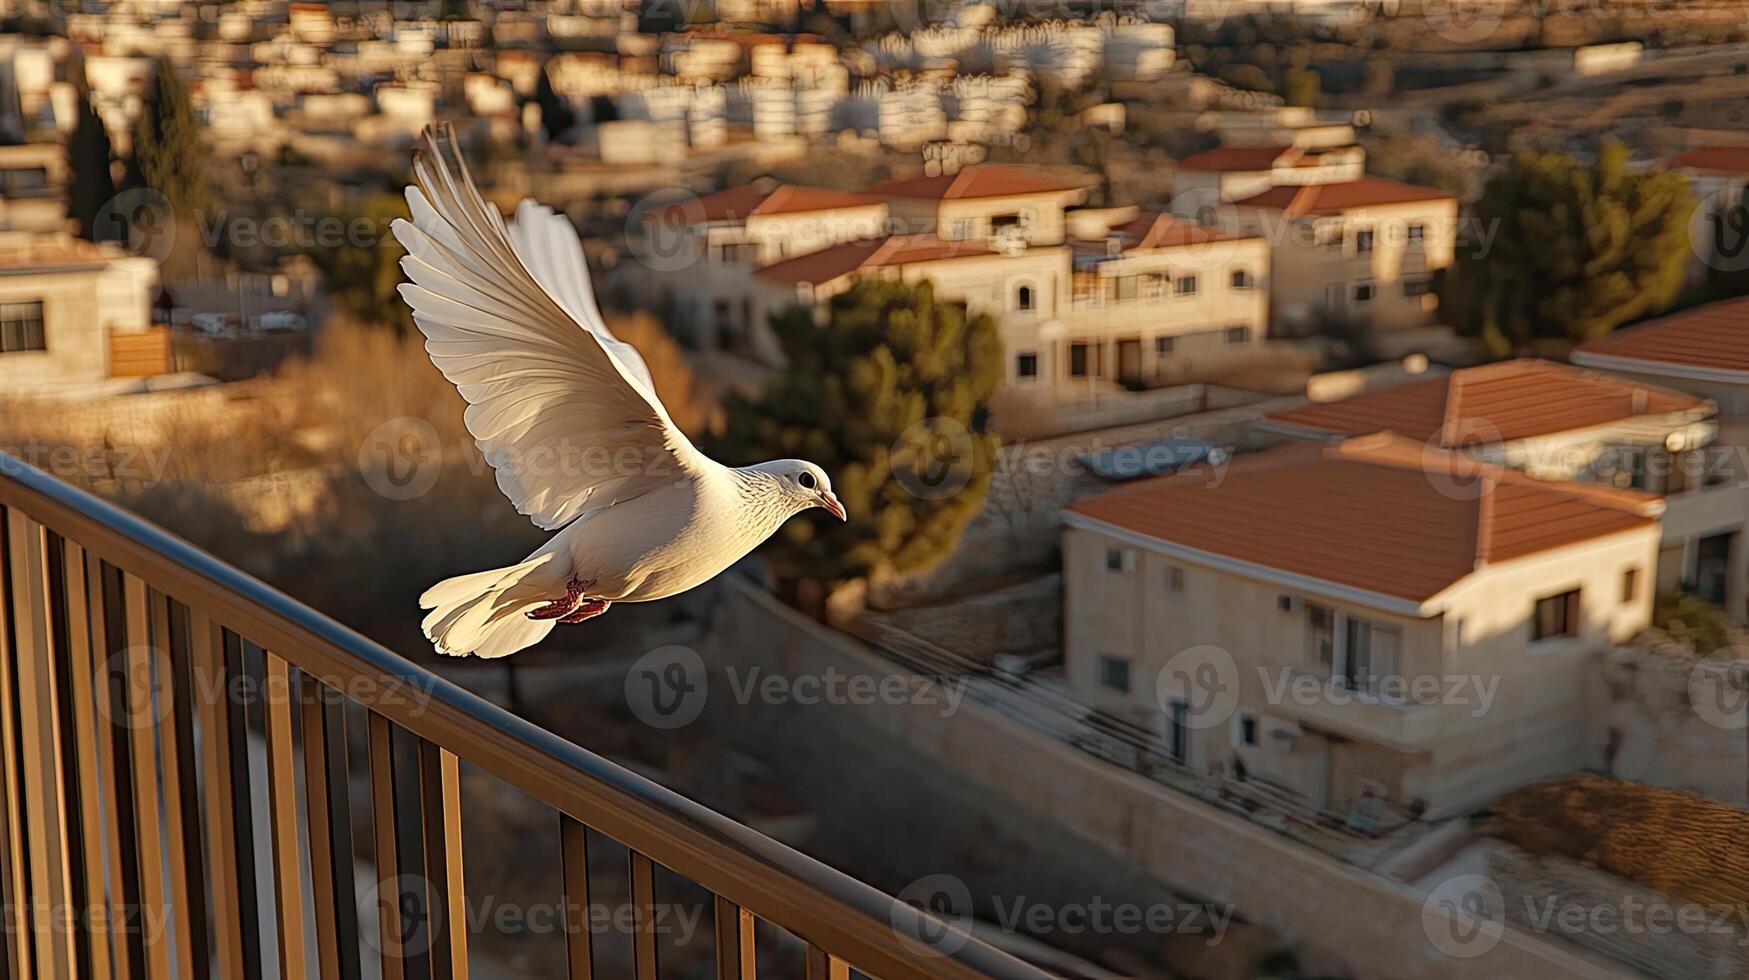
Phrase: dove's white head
(802, 485)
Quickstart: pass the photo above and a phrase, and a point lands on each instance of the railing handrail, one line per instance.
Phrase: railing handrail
(871, 930)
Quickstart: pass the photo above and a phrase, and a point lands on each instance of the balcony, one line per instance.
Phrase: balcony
(131, 789)
(1407, 727)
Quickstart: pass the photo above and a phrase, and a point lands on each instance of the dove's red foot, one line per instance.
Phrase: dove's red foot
(562, 606)
(587, 609)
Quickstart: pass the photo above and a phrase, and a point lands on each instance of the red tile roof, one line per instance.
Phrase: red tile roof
(1714, 159)
(984, 180)
(1487, 405)
(1161, 230)
(1713, 338)
(750, 200)
(1336, 198)
(1378, 513)
(1237, 159)
(841, 260)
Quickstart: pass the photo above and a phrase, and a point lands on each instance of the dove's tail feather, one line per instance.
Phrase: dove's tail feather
(484, 613)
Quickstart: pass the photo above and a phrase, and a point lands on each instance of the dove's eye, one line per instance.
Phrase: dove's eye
(806, 480)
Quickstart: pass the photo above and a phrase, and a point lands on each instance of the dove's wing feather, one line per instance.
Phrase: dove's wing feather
(549, 246)
(565, 414)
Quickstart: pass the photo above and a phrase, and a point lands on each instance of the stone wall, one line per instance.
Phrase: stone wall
(1663, 716)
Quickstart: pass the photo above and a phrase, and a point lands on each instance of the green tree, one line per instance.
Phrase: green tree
(1576, 250)
(890, 395)
(89, 157)
(167, 153)
(363, 275)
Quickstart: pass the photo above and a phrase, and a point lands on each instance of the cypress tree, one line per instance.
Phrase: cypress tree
(89, 157)
(167, 151)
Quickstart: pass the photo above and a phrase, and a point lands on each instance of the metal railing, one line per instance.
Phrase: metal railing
(131, 776)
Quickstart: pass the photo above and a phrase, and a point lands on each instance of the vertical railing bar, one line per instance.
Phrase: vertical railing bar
(737, 953)
(642, 872)
(824, 966)
(45, 786)
(139, 695)
(234, 651)
(382, 795)
(182, 798)
(84, 722)
(211, 701)
(440, 787)
(329, 819)
(282, 797)
(16, 880)
(574, 847)
(114, 785)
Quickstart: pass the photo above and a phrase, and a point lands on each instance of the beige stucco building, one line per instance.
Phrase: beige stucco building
(1361, 252)
(1370, 626)
(62, 301)
(1557, 422)
(1705, 352)
(1075, 316)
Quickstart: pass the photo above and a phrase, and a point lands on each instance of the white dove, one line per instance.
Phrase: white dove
(568, 418)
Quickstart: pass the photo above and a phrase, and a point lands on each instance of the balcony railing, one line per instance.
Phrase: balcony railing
(1404, 726)
(130, 787)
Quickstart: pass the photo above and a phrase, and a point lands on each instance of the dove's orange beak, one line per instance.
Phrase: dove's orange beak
(830, 502)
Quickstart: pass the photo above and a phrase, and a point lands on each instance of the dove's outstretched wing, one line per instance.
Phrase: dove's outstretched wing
(565, 414)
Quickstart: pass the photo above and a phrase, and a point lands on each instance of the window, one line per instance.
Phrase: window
(1417, 233)
(1114, 673)
(962, 229)
(1153, 285)
(1127, 287)
(1242, 279)
(1174, 579)
(1363, 292)
(741, 253)
(1630, 585)
(1556, 616)
(1078, 360)
(1026, 365)
(1023, 298)
(1162, 346)
(1178, 729)
(1321, 636)
(1245, 730)
(1117, 559)
(21, 327)
(1371, 654)
(1186, 286)
(1363, 241)
(1419, 286)
(1236, 335)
